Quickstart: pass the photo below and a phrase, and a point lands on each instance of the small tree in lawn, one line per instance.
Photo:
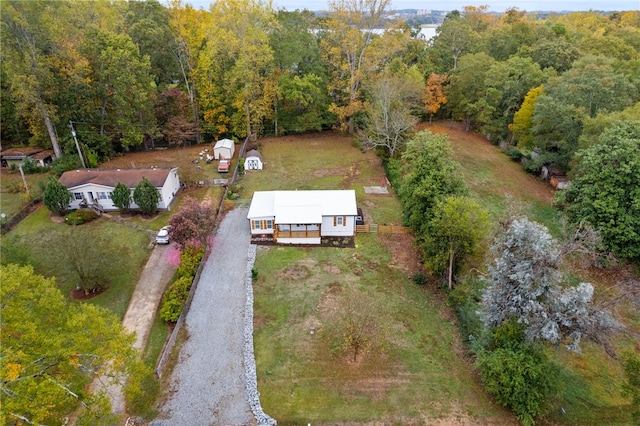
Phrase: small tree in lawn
(456, 229)
(146, 196)
(121, 197)
(56, 197)
(358, 325)
(88, 254)
(193, 224)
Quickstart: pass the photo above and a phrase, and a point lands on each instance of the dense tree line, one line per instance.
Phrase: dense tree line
(130, 74)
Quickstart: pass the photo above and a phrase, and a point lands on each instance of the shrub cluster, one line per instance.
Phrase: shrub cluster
(78, 217)
(177, 294)
(517, 373)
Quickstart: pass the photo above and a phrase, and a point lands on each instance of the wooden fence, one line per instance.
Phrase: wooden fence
(383, 229)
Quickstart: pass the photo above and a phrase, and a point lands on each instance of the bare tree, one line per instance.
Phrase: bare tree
(389, 117)
(358, 325)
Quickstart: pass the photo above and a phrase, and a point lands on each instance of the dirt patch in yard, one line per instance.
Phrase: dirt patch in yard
(294, 273)
(405, 256)
(328, 172)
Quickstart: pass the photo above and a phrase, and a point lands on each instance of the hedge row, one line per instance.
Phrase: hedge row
(177, 294)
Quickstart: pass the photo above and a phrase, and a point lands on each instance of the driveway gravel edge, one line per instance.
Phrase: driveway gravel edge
(251, 379)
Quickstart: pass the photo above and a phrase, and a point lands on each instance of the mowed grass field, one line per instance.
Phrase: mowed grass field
(424, 374)
(421, 376)
(327, 160)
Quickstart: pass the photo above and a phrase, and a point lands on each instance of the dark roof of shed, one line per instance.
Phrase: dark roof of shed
(111, 177)
(20, 152)
(42, 155)
(253, 153)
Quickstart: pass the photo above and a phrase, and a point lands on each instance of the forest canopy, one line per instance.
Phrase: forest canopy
(136, 74)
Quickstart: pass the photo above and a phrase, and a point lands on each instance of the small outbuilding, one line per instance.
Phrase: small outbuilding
(253, 160)
(224, 149)
(43, 157)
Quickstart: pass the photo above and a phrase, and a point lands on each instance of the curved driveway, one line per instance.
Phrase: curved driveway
(208, 383)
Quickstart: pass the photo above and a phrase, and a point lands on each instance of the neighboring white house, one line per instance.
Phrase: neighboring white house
(302, 217)
(253, 160)
(224, 149)
(93, 187)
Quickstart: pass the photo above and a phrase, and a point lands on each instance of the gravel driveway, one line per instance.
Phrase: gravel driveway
(208, 384)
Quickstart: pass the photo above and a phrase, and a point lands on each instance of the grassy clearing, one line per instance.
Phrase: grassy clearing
(323, 161)
(420, 377)
(12, 194)
(30, 240)
(302, 379)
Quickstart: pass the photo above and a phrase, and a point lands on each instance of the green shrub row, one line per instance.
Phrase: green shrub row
(177, 294)
(189, 261)
(174, 299)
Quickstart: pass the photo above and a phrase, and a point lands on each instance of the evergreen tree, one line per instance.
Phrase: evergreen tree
(146, 196)
(56, 197)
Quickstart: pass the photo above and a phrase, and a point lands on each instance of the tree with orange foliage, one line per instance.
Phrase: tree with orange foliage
(434, 96)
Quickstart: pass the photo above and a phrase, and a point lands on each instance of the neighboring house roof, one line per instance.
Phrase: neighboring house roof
(224, 143)
(253, 153)
(110, 177)
(302, 207)
(43, 155)
(20, 152)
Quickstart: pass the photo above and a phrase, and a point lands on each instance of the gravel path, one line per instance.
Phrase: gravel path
(142, 308)
(208, 384)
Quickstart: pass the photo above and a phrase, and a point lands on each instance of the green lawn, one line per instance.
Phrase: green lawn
(326, 160)
(302, 378)
(422, 377)
(13, 196)
(30, 242)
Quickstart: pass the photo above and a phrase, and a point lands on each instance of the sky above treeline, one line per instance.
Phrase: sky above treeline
(496, 6)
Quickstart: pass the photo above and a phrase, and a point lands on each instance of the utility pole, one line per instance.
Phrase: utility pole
(73, 133)
(24, 180)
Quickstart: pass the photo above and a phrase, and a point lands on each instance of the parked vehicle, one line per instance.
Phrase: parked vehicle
(360, 217)
(163, 235)
(223, 166)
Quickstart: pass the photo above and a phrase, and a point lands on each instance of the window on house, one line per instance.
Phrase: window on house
(77, 195)
(262, 224)
(339, 221)
(102, 195)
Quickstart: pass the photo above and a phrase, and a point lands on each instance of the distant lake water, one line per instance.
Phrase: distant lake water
(428, 31)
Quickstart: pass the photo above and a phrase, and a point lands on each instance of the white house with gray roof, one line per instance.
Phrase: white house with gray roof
(302, 217)
(93, 187)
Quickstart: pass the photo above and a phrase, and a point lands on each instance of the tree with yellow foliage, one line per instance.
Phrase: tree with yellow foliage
(523, 119)
(52, 349)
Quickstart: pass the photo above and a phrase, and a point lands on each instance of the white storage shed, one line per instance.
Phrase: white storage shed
(224, 149)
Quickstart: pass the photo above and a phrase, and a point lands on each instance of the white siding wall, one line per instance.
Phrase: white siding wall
(169, 190)
(92, 192)
(328, 229)
(259, 228)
